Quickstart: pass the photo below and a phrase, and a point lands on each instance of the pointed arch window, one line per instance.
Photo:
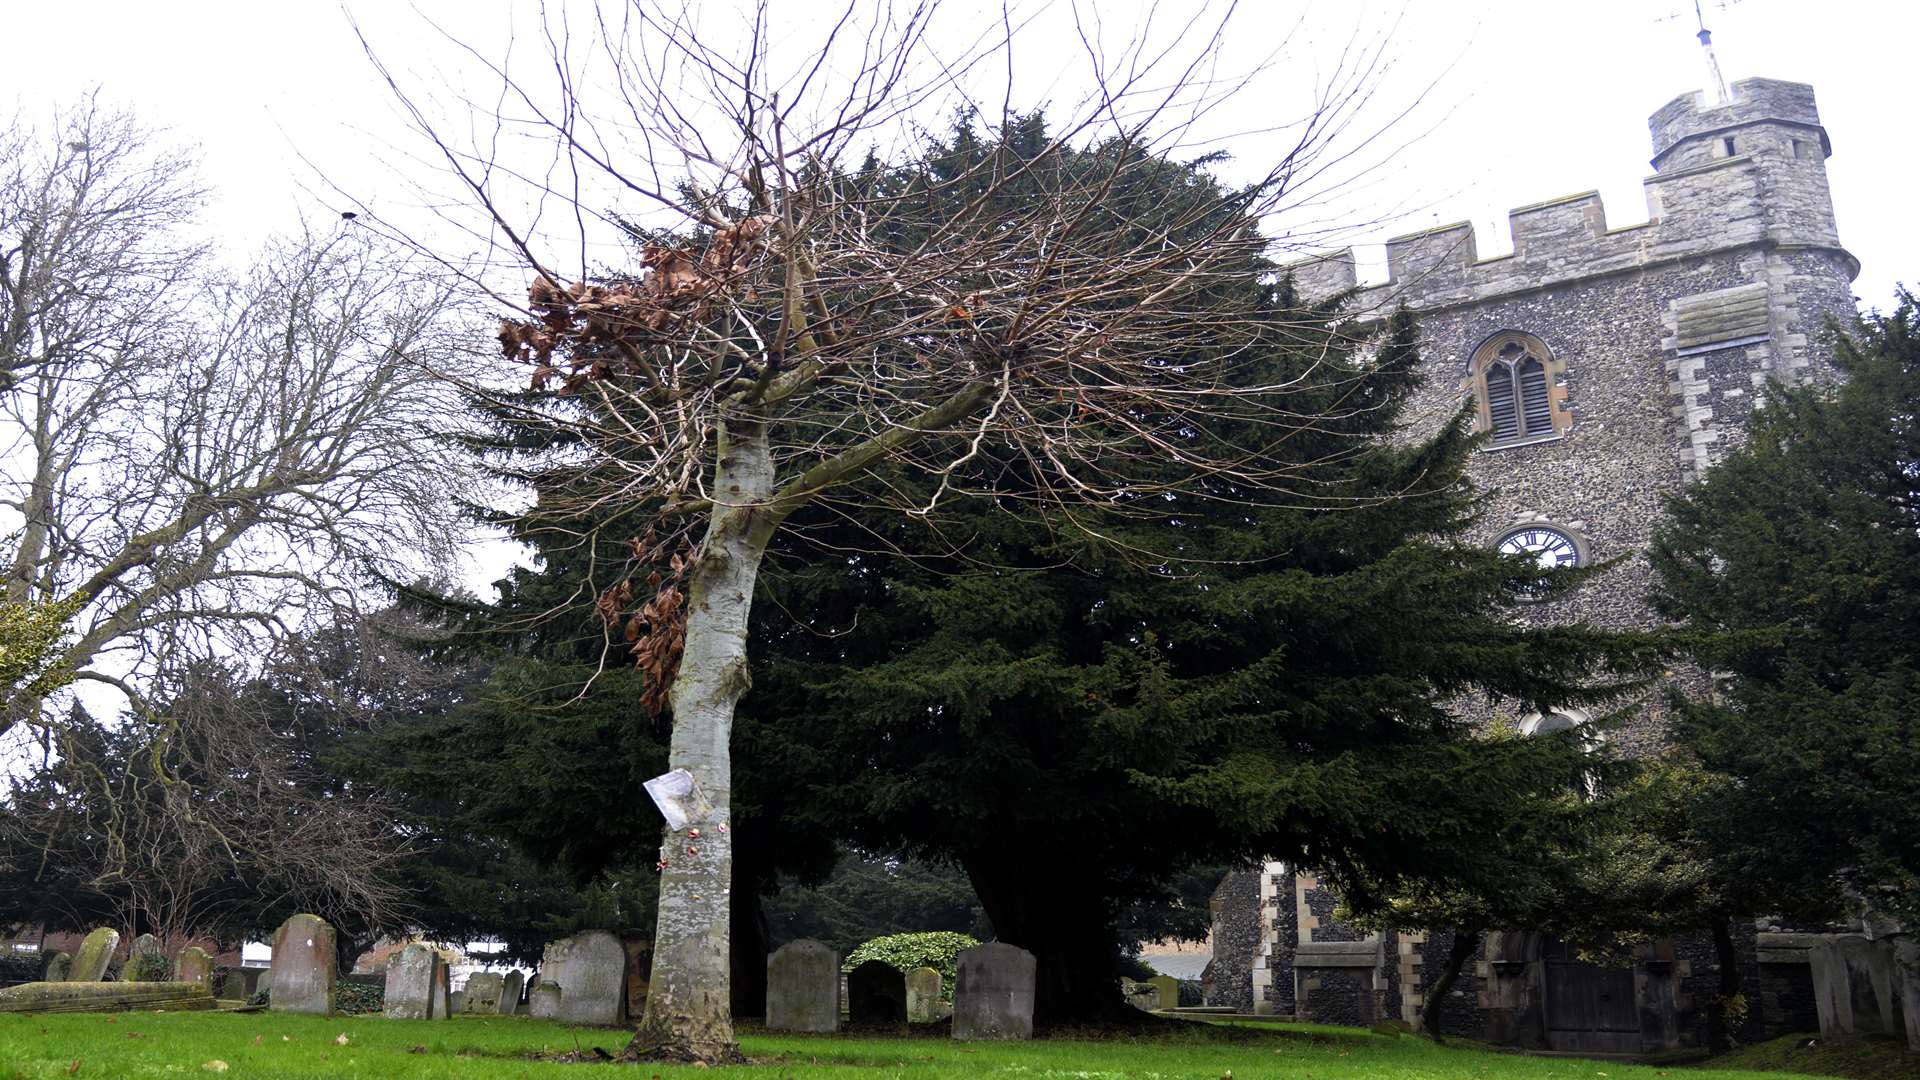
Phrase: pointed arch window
(1521, 398)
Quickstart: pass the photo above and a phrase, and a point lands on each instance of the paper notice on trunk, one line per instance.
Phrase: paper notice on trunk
(677, 794)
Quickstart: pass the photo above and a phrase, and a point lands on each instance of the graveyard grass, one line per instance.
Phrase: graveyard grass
(177, 1045)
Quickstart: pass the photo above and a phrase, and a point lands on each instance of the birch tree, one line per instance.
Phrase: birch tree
(807, 311)
(195, 458)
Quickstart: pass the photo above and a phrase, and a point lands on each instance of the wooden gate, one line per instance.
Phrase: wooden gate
(1590, 1008)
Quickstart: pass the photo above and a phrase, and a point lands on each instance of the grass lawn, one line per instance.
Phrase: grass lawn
(180, 1045)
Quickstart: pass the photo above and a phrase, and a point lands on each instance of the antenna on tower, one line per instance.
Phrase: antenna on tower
(1714, 82)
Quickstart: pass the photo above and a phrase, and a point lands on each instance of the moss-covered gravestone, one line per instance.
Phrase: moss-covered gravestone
(193, 965)
(482, 994)
(305, 966)
(96, 952)
(146, 961)
(414, 978)
(1166, 991)
(803, 988)
(923, 995)
(58, 967)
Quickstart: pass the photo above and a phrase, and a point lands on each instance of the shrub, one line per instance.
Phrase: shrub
(936, 949)
(355, 997)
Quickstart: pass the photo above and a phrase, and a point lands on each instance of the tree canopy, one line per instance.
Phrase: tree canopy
(1794, 567)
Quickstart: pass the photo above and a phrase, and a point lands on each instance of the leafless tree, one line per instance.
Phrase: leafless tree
(191, 822)
(198, 459)
(793, 327)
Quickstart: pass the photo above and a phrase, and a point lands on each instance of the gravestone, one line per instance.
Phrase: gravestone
(305, 966)
(482, 995)
(58, 967)
(263, 983)
(993, 992)
(543, 1002)
(193, 965)
(923, 995)
(876, 994)
(639, 967)
(803, 988)
(457, 1002)
(441, 1006)
(146, 961)
(1166, 990)
(413, 976)
(96, 952)
(510, 993)
(590, 968)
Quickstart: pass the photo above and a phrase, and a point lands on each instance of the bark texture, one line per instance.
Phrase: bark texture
(1466, 940)
(689, 1000)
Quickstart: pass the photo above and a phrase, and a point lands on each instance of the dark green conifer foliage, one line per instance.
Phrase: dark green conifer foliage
(1077, 704)
(1794, 566)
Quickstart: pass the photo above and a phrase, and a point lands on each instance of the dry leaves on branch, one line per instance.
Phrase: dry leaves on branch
(658, 629)
(594, 327)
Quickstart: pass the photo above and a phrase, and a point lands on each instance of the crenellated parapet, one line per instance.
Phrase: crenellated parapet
(1745, 174)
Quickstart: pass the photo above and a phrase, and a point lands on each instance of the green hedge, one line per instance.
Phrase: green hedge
(935, 949)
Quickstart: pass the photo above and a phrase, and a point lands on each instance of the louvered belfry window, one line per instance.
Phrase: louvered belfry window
(1516, 387)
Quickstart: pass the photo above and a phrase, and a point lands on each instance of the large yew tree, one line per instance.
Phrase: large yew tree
(795, 328)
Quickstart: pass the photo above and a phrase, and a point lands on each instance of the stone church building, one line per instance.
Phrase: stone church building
(1610, 366)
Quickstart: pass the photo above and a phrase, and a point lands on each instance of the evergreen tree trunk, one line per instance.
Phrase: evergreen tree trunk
(1466, 941)
(1720, 1033)
(1049, 910)
(689, 1000)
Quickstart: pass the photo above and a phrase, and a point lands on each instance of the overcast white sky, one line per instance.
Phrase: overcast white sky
(1539, 97)
(1524, 99)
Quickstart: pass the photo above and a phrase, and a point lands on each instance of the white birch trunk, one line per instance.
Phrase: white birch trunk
(689, 1006)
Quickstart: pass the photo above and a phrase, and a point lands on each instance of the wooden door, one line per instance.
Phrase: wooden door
(1590, 1008)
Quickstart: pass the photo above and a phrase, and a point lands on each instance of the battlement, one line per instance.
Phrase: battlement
(1685, 129)
(1771, 190)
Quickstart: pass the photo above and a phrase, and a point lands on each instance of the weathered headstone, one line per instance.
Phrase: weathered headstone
(263, 983)
(510, 992)
(923, 995)
(482, 995)
(412, 977)
(193, 965)
(146, 961)
(993, 992)
(590, 968)
(441, 1006)
(58, 967)
(305, 966)
(543, 1002)
(457, 1002)
(96, 952)
(876, 994)
(803, 988)
(639, 967)
(1167, 990)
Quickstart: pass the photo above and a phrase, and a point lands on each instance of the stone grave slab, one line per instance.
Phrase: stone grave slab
(923, 995)
(590, 968)
(803, 988)
(876, 994)
(482, 994)
(305, 966)
(457, 1002)
(993, 991)
(1166, 990)
(543, 1002)
(96, 952)
(412, 977)
(193, 965)
(146, 961)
